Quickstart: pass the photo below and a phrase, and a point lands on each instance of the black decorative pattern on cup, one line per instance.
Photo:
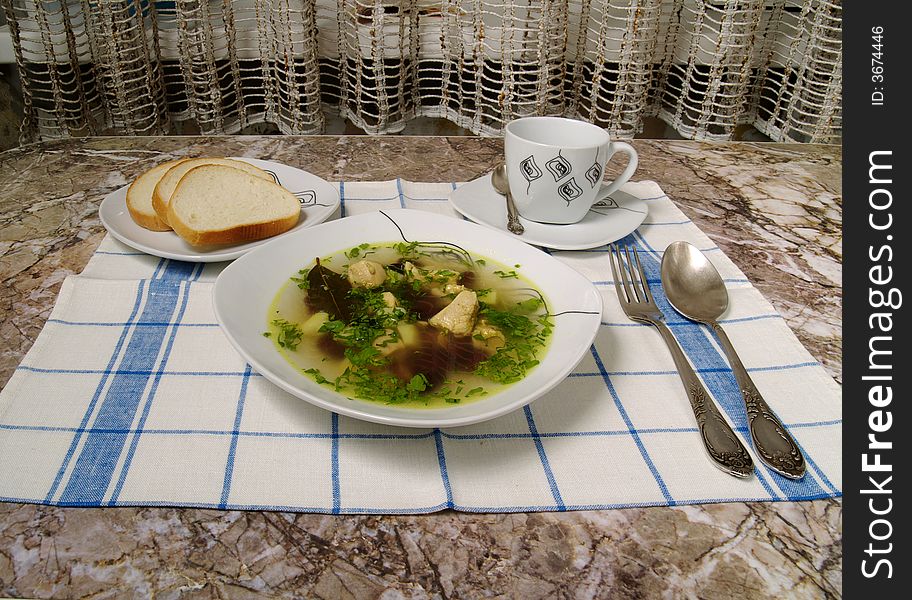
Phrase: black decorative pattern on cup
(559, 167)
(594, 173)
(569, 190)
(529, 169)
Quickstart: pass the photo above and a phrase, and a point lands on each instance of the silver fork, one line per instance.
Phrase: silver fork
(723, 446)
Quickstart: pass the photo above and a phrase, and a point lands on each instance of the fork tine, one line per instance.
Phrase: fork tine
(636, 277)
(619, 273)
(647, 294)
(614, 272)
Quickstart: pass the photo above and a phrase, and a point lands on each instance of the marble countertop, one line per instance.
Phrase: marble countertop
(775, 210)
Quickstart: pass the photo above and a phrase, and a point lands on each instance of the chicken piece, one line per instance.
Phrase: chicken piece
(411, 271)
(487, 336)
(459, 316)
(438, 282)
(391, 309)
(389, 300)
(366, 273)
(453, 288)
(486, 331)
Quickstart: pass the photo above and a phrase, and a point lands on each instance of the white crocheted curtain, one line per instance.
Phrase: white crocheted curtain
(141, 67)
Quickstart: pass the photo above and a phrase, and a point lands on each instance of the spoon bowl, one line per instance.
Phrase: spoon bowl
(693, 285)
(696, 290)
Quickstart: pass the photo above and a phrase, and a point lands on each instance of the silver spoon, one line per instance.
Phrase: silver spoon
(696, 290)
(499, 180)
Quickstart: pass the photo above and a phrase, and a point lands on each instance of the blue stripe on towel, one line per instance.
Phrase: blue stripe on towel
(148, 404)
(232, 448)
(397, 436)
(801, 365)
(341, 199)
(630, 427)
(546, 464)
(123, 324)
(137, 302)
(401, 195)
(334, 469)
(177, 270)
(444, 474)
(820, 473)
(95, 465)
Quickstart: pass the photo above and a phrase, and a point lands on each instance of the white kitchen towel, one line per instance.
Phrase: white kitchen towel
(132, 396)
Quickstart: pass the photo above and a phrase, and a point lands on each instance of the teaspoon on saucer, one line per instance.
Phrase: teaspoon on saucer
(499, 180)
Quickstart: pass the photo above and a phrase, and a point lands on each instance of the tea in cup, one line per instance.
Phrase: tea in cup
(555, 167)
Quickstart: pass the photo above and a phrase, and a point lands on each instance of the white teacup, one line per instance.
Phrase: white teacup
(555, 167)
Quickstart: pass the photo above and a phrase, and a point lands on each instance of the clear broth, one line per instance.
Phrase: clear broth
(500, 290)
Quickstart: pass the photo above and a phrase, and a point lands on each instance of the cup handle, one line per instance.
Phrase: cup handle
(624, 177)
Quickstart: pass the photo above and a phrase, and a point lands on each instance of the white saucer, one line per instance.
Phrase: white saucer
(622, 214)
(319, 200)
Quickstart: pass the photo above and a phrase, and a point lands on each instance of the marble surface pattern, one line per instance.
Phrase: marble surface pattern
(775, 209)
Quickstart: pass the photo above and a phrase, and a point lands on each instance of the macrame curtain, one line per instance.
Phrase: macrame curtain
(140, 67)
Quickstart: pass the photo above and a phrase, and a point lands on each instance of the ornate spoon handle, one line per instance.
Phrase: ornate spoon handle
(723, 446)
(775, 446)
(513, 223)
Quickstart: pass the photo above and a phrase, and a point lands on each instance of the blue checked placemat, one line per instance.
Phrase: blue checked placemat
(131, 396)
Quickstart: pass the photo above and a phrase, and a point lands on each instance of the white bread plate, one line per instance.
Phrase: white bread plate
(320, 201)
(245, 290)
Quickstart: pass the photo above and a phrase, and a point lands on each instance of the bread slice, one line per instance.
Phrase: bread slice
(139, 197)
(161, 195)
(217, 204)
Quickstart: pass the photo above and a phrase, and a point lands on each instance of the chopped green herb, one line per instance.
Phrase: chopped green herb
(530, 305)
(525, 338)
(357, 251)
(418, 383)
(289, 334)
(317, 375)
(302, 281)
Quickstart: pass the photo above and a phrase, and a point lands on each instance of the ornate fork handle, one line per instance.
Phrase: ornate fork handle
(775, 447)
(723, 446)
